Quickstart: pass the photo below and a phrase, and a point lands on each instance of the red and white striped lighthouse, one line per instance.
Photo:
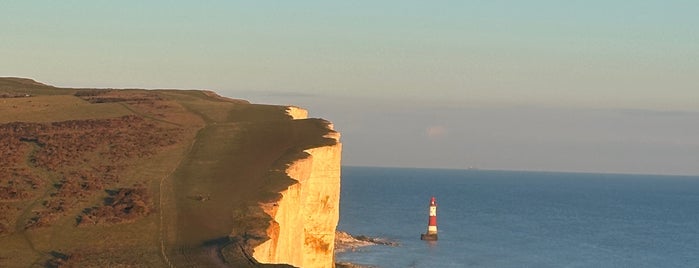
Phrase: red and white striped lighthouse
(431, 234)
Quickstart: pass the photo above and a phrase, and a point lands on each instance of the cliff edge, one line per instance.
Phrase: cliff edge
(302, 229)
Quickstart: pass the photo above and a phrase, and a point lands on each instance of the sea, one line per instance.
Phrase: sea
(521, 219)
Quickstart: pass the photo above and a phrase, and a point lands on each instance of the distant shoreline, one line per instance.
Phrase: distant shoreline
(475, 169)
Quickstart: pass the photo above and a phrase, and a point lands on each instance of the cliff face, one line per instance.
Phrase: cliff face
(302, 230)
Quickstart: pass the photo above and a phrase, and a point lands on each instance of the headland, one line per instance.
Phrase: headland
(162, 178)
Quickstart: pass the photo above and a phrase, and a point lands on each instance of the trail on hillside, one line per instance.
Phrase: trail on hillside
(163, 250)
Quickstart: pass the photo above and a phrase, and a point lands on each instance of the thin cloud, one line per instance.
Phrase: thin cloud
(436, 132)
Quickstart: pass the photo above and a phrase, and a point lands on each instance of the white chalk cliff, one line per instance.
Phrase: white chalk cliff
(302, 230)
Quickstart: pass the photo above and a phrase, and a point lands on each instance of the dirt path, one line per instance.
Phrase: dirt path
(26, 213)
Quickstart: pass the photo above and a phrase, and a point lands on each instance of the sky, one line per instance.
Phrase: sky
(583, 86)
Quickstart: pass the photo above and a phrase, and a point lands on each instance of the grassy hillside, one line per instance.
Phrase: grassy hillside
(96, 177)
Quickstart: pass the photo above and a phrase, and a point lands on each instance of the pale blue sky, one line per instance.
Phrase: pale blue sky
(465, 69)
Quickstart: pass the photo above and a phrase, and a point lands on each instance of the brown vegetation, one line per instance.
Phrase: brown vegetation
(7, 95)
(106, 96)
(85, 155)
(5, 212)
(16, 184)
(61, 260)
(122, 206)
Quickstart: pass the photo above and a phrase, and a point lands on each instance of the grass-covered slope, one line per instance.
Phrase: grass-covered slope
(154, 178)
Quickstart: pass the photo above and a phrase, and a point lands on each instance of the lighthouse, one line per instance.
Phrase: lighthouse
(431, 234)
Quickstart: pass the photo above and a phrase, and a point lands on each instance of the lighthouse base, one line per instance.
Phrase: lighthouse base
(428, 237)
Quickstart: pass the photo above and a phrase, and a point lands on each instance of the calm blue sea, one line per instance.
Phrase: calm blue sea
(522, 219)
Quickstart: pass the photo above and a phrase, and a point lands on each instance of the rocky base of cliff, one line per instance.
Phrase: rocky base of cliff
(347, 242)
(351, 265)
